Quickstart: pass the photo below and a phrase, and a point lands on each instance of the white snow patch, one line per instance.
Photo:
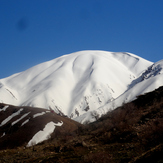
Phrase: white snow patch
(38, 114)
(10, 117)
(4, 108)
(3, 135)
(44, 134)
(20, 119)
(26, 121)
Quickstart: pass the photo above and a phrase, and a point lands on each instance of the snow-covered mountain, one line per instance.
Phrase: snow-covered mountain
(82, 84)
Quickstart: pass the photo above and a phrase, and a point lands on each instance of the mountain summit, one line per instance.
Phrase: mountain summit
(83, 83)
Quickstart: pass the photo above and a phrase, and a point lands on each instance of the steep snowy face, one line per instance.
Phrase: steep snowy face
(154, 70)
(74, 84)
(149, 80)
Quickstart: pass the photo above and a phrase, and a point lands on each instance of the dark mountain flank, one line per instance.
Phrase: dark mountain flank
(19, 124)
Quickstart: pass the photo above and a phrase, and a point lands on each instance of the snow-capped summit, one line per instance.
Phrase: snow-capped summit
(77, 83)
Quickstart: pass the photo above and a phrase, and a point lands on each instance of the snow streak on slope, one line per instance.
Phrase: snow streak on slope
(10, 117)
(38, 114)
(4, 108)
(74, 84)
(23, 116)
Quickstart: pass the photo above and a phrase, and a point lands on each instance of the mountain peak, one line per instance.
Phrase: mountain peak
(76, 83)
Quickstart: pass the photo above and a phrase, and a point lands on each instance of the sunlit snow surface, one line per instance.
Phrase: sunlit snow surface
(80, 83)
(150, 80)
(44, 134)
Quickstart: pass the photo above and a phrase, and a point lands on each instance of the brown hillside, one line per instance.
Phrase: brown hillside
(131, 133)
(12, 136)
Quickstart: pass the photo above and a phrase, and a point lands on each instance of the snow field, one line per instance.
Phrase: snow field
(44, 134)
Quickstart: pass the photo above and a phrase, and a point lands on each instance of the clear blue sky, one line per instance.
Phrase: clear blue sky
(35, 31)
